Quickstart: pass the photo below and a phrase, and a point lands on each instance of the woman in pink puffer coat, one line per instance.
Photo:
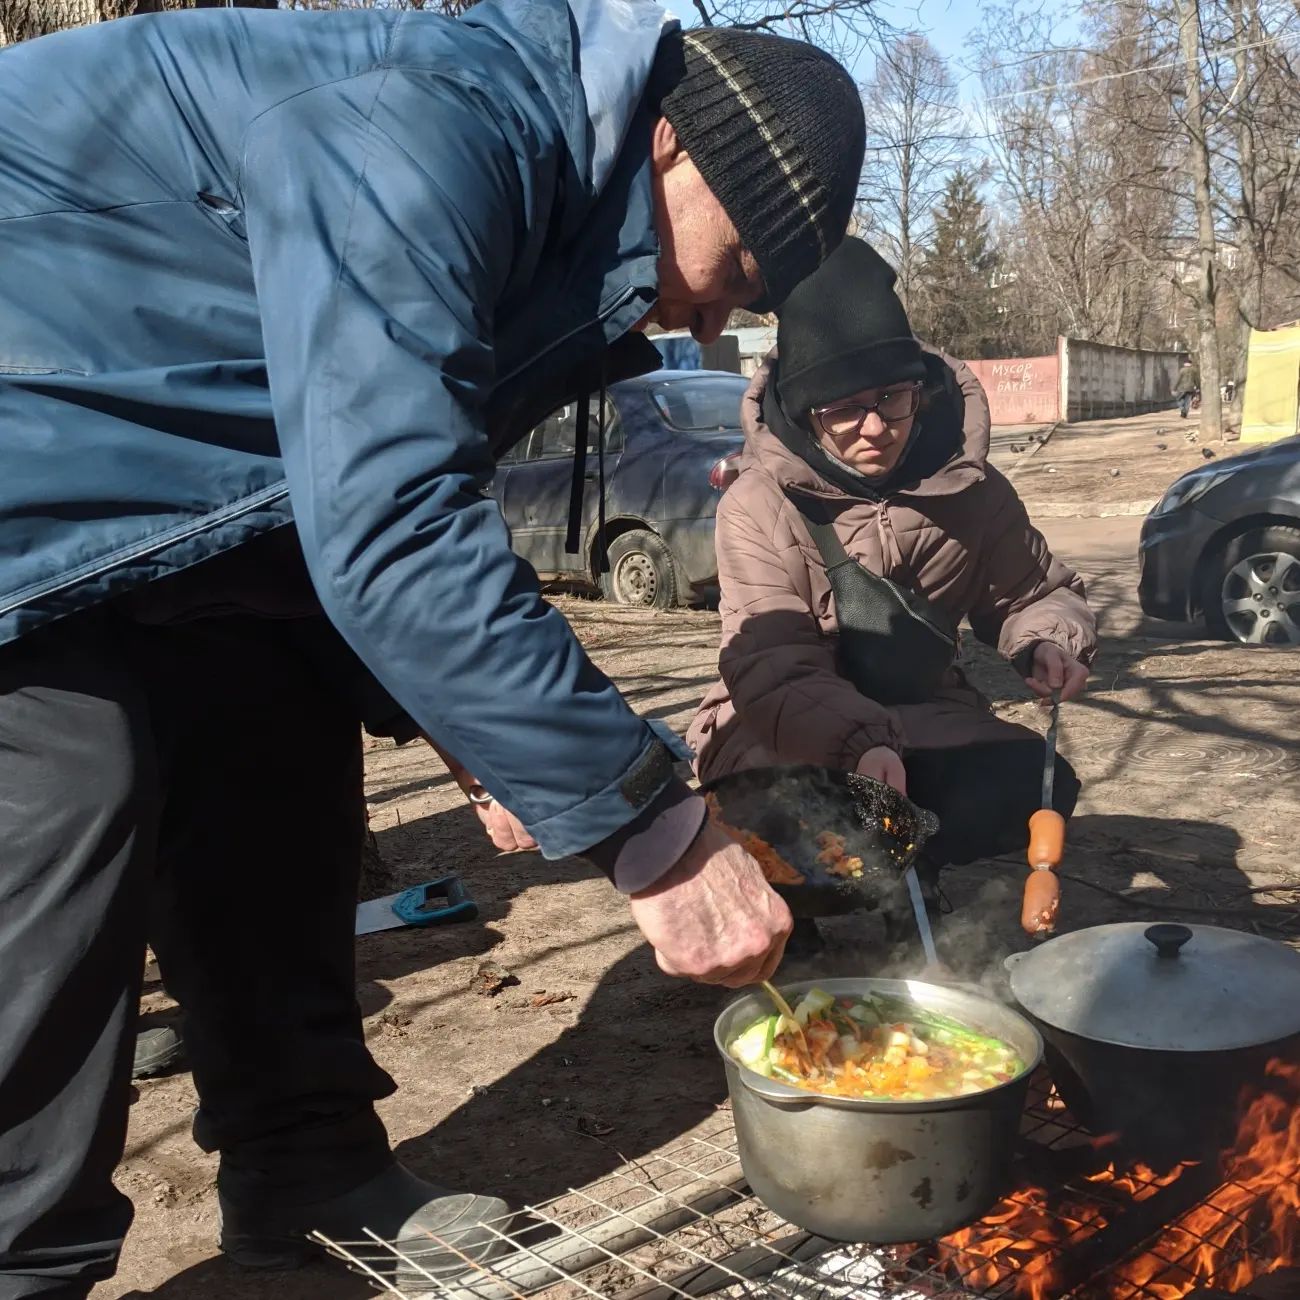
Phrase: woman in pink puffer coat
(866, 459)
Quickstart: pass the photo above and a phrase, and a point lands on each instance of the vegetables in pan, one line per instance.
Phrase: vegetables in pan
(776, 870)
(834, 857)
(878, 1048)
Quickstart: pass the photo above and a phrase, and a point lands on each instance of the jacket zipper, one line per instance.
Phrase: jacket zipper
(266, 496)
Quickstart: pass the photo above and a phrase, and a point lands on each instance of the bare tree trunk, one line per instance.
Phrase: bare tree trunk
(1251, 259)
(24, 20)
(1198, 169)
(906, 253)
(21, 20)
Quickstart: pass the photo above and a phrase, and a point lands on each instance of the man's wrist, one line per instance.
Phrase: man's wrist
(651, 844)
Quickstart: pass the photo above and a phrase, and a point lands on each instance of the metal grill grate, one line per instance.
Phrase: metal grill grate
(682, 1223)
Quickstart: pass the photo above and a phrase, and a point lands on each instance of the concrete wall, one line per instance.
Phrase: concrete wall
(1021, 390)
(1083, 381)
(1099, 382)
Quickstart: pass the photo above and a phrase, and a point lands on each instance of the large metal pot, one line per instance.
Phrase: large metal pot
(1152, 1031)
(878, 1171)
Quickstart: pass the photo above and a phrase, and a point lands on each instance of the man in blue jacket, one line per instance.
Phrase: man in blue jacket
(276, 291)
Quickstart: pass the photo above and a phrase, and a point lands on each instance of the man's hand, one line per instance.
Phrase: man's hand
(504, 829)
(714, 918)
(883, 764)
(1053, 669)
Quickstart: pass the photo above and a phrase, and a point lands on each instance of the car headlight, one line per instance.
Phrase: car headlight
(1189, 489)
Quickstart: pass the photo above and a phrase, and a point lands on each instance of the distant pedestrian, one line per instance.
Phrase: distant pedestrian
(1188, 386)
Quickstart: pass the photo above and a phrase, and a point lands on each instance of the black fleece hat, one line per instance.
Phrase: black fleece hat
(776, 129)
(843, 329)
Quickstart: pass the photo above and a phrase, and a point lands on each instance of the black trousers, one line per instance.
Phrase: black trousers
(200, 786)
(983, 796)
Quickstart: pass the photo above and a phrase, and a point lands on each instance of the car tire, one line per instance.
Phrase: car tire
(1239, 585)
(641, 571)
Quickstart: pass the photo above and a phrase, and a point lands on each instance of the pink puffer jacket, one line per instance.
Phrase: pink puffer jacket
(961, 537)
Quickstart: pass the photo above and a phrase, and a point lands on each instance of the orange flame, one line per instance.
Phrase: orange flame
(1019, 1238)
(1249, 1226)
(1217, 1242)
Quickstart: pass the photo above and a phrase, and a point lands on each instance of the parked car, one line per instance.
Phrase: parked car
(1223, 545)
(671, 441)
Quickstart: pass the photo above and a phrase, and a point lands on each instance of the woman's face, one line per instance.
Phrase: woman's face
(869, 430)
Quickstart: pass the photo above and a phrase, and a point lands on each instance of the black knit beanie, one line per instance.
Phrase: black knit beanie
(843, 329)
(776, 129)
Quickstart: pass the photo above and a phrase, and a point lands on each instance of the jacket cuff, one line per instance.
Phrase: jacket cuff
(635, 856)
(1023, 660)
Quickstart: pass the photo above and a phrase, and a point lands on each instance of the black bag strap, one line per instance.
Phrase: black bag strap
(817, 520)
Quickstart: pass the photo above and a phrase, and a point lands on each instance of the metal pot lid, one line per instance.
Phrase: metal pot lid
(1170, 988)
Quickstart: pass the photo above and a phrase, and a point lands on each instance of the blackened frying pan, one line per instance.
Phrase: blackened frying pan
(838, 841)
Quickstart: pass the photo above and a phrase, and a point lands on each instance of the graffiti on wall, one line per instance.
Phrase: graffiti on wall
(1012, 376)
(1021, 390)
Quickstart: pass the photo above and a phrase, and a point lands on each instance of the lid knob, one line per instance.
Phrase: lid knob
(1167, 937)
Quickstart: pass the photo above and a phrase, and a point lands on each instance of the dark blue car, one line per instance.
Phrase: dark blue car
(1223, 544)
(671, 440)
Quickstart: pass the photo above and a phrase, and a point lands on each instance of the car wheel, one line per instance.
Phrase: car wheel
(641, 571)
(1252, 588)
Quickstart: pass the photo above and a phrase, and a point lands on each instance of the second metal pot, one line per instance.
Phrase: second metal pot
(879, 1171)
(1152, 1031)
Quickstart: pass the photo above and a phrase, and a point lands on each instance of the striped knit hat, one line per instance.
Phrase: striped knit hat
(775, 128)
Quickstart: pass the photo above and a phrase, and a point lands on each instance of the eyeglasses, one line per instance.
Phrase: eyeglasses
(893, 406)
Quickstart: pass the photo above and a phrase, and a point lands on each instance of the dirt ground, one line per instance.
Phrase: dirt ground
(1189, 751)
(1139, 457)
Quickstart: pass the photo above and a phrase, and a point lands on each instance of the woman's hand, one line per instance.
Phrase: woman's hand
(883, 764)
(1054, 670)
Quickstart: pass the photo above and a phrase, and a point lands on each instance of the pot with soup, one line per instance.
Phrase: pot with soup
(887, 1112)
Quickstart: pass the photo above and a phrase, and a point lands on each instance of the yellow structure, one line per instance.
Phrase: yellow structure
(1272, 401)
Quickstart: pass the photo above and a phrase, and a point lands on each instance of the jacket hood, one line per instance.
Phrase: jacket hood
(956, 395)
(609, 44)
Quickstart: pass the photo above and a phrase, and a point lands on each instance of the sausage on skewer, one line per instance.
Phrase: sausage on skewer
(1042, 898)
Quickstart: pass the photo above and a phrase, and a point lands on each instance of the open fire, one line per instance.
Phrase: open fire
(1050, 1245)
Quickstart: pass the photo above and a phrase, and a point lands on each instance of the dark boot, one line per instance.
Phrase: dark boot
(435, 1233)
(157, 1051)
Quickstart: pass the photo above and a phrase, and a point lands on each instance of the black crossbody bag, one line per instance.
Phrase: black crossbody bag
(895, 645)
